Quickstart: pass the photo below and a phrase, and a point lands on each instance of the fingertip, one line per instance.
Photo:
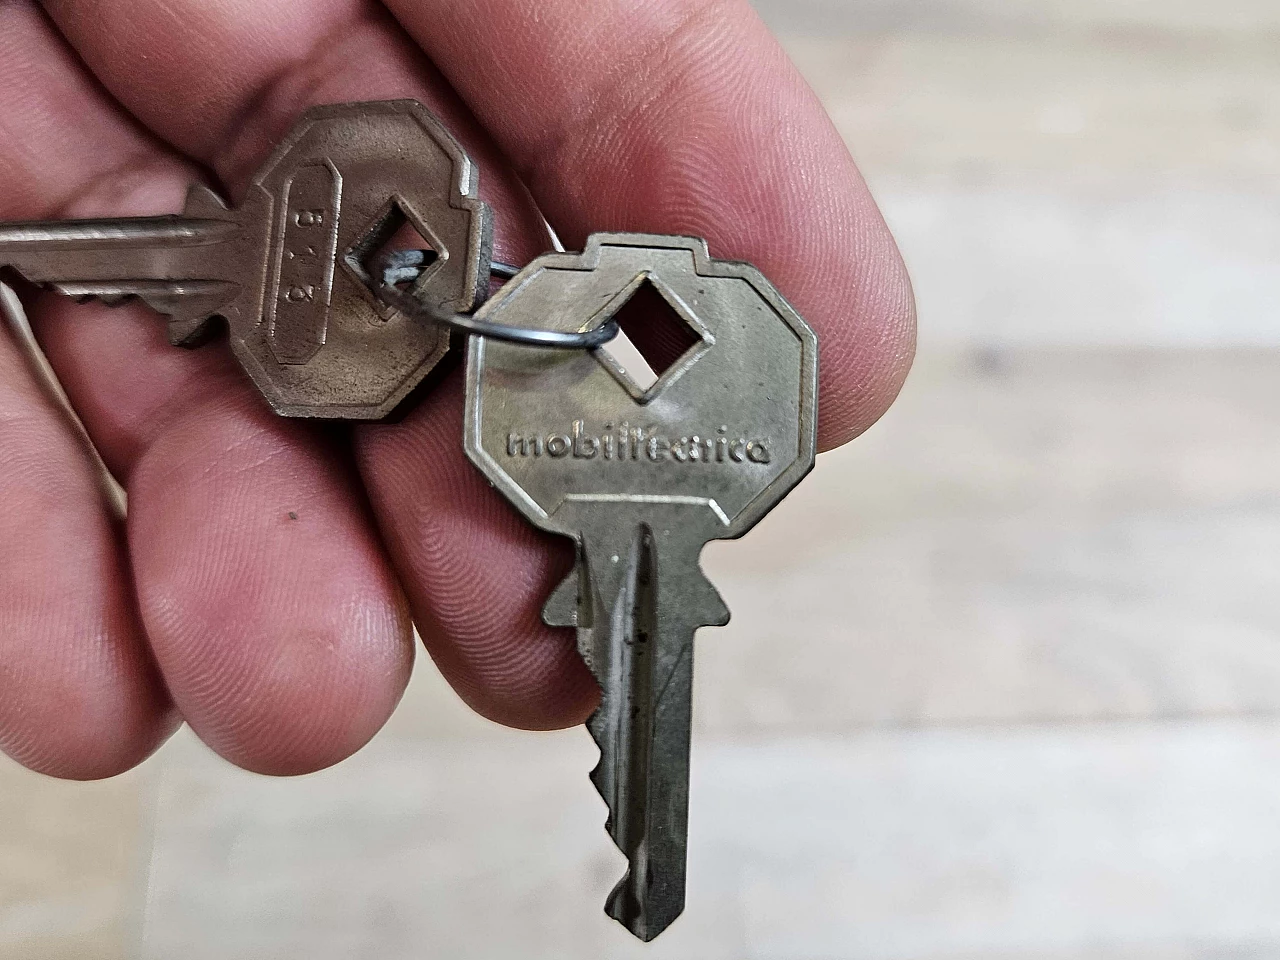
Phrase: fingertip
(271, 607)
(101, 757)
(863, 366)
(301, 695)
(544, 686)
(744, 155)
(312, 694)
(63, 725)
(80, 697)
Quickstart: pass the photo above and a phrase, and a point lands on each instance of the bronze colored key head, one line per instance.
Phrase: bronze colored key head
(730, 425)
(310, 330)
(294, 269)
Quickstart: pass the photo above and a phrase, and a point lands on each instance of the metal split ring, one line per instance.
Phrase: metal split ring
(405, 266)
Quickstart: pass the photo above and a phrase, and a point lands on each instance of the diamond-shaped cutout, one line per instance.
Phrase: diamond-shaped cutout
(655, 339)
(398, 239)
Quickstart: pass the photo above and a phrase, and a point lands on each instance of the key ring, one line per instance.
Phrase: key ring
(405, 266)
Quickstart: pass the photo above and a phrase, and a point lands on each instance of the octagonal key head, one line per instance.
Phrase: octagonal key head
(728, 424)
(349, 182)
(292, 270)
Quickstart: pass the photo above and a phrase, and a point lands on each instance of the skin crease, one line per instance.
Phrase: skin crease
(672, 116)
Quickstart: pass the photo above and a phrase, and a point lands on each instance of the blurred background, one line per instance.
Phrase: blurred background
(1003, 679)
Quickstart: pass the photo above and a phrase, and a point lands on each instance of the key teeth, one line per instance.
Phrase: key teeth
(619, 905)
(617, 901)
(612, 904)
(651, 893)
(191, 306)
(595, 780)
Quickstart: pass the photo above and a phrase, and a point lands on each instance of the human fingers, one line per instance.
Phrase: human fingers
(269, 603)
(472, 569)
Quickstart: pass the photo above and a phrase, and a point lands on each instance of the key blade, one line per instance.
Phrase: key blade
(105, 251)
(638, 610)
(153, 259)
(110, 235)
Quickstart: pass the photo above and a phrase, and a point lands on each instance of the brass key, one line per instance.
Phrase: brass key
(295, 269)
(642, 475)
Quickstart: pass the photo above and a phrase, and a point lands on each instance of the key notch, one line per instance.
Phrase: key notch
(660, 338)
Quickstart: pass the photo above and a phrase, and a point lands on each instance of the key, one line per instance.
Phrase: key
(294, 270)
(642, 475)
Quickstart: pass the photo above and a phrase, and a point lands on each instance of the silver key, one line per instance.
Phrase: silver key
(294, 269)
(643, 475)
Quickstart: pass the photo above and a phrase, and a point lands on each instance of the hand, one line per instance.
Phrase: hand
(264, 585)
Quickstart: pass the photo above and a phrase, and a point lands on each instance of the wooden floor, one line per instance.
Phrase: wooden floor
(1003, 679)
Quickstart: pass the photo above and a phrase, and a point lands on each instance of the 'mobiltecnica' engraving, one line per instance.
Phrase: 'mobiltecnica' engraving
(639, 444)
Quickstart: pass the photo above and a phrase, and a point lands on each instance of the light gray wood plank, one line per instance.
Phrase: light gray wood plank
(73, 863)
(1192, 16)
(1057, 842)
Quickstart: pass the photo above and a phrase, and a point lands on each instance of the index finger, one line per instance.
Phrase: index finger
(663, 116)
(686, 116)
